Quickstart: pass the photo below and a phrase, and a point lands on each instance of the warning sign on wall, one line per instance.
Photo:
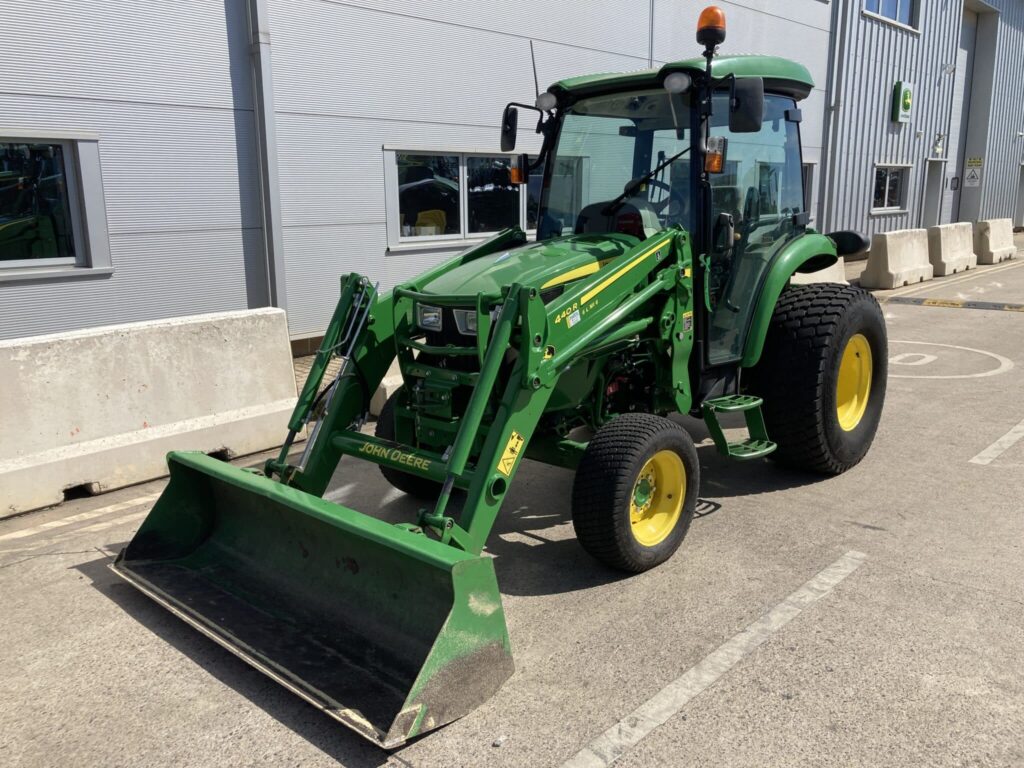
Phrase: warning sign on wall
(972, 171)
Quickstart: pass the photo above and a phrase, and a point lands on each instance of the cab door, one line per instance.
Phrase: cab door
(756, 208)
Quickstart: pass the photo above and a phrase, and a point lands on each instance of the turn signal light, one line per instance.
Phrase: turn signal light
(516, 175)
(711, 26)
(714, 158)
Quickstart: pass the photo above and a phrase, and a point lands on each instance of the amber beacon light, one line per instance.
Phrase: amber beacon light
(711, 26)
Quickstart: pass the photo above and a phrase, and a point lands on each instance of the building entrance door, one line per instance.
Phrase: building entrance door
(960, 112)
(1018, 219)
(934, 186)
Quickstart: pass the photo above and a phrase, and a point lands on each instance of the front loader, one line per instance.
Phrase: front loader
(671, 222)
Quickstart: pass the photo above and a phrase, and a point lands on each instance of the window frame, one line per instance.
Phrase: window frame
(915, 15)
(901, 207)
(71, 185)
(398, 242)
(86, 204)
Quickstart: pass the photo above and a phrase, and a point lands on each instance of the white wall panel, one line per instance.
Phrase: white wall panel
(615, 26)
(157, 275)
(158, 51)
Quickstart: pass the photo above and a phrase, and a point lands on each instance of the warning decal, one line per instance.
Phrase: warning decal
(512, 450)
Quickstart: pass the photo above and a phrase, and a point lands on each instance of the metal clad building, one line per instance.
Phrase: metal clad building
(960, 155)
(221, 154)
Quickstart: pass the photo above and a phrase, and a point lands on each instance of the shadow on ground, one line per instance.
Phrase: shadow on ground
(306, 721)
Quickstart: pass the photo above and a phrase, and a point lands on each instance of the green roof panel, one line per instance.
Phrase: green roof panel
(780, 75)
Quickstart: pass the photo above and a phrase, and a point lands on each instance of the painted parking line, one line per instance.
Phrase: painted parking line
(65, 521)
(942, 282)
(1000, 446)
(957, 304)
(655, 712)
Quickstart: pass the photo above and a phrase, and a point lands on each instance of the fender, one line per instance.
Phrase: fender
(807, 253)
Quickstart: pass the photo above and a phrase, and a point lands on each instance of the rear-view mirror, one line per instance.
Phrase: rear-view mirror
(746, 105)
(509, 128)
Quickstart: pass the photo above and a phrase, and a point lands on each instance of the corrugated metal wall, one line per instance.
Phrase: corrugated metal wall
(351, 77)
(166, 86)
(875, 56)
(1005, 155)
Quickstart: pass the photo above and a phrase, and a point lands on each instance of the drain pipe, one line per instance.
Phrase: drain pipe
(266, 153)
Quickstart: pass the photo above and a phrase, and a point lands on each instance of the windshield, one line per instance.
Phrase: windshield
(605, 143)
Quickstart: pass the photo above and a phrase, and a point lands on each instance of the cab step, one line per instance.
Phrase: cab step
(757, 444)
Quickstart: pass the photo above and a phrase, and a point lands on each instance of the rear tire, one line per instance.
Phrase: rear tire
(419, 487)
(822, 376)
(635, 491)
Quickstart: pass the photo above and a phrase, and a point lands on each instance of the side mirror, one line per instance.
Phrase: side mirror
(509, 128)
(746, 105)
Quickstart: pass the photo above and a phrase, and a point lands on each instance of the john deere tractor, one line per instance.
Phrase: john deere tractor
(671, 223)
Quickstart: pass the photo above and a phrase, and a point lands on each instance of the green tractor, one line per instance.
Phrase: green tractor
(671, 222)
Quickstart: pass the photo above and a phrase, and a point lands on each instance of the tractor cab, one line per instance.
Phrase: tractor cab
(704, 147)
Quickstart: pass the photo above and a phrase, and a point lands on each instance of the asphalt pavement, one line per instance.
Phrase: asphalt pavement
(876, 618)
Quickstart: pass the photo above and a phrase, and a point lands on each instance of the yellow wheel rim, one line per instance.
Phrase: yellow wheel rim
(657, 500)
(854, 386)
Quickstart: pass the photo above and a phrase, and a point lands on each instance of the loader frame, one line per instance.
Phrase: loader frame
(647, 287)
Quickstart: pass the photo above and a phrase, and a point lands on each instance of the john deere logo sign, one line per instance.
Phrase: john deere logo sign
(902, 102)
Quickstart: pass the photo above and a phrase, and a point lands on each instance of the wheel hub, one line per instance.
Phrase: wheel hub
(657, 499)
(853, 386)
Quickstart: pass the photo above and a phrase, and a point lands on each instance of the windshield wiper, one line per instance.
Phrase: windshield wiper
(634, 185)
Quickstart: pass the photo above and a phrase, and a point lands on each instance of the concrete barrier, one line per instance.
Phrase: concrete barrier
(951, 248)
(993, 241)
(897, 258)
(99, 409)
(836, 273)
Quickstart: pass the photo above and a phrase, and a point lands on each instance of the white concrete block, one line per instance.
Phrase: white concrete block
(951, 248)
(392, 381)
(102, 407)
(896, 259)
(993, 241)
(836, 273)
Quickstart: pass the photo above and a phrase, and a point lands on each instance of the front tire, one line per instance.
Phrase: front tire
(635, 491)
(822, 375)
(427, 490)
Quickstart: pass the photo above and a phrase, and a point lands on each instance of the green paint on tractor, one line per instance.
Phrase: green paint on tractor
(658, 283)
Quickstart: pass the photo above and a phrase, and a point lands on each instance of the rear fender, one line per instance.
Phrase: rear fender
(807, 253)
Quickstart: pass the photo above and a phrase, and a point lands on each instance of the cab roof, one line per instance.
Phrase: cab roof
(780, 76)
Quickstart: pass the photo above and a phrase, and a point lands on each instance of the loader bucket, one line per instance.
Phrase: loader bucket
(384, 629)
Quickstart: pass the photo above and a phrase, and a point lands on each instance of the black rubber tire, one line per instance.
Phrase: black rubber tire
(419, 487)
(799, 370)
(603, 488)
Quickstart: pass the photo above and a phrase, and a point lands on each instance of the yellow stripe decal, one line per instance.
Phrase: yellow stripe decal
(621, 271)
(575, 274)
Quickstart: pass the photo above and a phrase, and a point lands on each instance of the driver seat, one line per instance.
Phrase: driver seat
(634, 217)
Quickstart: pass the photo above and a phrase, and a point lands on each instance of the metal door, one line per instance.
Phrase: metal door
(960, 111)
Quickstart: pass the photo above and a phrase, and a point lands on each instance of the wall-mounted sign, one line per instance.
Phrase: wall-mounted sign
(972, 171)
(902, 102)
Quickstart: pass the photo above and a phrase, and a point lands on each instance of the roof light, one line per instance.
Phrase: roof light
(711, 27)
(678, 82)
(546, 101)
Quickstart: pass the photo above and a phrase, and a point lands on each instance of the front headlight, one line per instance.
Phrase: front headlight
(428, 318)
(465, 320)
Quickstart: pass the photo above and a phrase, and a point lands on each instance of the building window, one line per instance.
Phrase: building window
(429, 200)
(441, 196)
(901, 11)
(890, 188)
(38, 220)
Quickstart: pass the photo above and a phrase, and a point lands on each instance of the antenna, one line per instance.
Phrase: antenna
(533, 58)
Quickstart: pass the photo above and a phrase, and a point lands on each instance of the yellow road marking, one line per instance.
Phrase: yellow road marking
(943, 282)
(120, 506)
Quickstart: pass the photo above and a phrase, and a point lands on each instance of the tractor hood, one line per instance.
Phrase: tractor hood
(540, 265)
